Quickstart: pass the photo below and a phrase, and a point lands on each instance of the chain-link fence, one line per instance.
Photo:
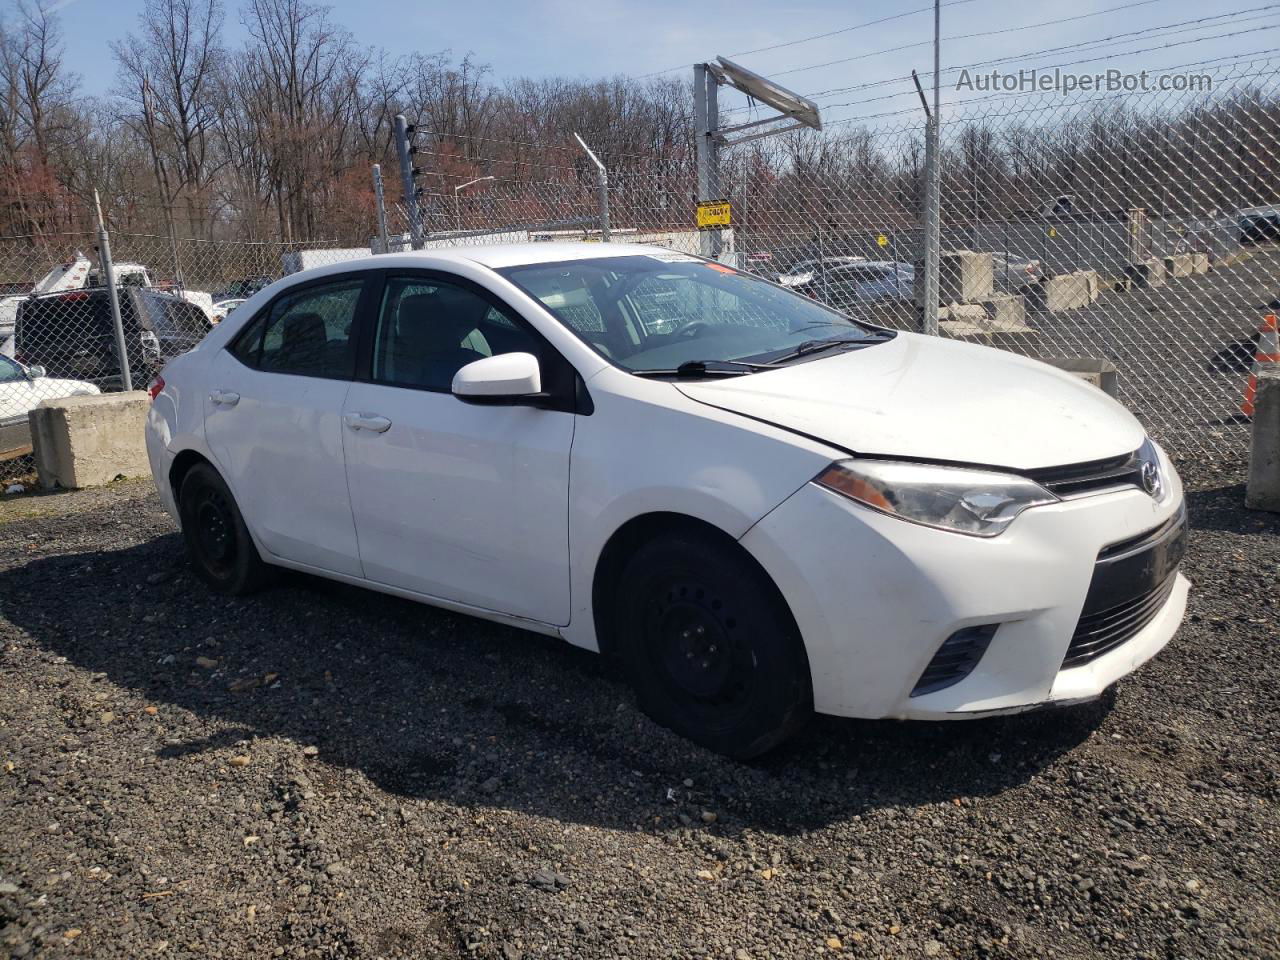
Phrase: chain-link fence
(1135, 227)
(58, 334)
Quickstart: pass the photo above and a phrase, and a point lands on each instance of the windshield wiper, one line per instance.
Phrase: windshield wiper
(817, 346)
(707, 368)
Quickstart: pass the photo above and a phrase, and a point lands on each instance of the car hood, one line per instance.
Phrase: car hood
(927, 398)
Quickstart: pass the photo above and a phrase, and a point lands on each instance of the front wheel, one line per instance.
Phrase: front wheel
(710, 646)
(217, 539)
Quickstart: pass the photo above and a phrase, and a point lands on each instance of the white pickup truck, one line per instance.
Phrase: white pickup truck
(79, 274)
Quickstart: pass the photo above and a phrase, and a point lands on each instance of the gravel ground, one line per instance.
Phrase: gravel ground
(320, 771)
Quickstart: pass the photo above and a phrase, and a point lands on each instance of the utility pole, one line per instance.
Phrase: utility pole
(408, 173)
(382, 209)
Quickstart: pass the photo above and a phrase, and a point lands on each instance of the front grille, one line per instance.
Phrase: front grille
(1080, 478)
(1144, 540)
(1098, 633)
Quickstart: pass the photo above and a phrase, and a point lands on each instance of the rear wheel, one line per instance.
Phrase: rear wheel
(218, 541)
(710, 646)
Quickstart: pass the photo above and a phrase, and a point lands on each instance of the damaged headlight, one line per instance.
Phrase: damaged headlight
(976, 502)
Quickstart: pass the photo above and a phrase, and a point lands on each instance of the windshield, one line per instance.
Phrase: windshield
(655, 312)
(10, 372)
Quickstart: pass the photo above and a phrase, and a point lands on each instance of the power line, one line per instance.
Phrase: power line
(966, 36)
(1095, 43)
(1237, 58)
(1072, 63)
(858, 26)
(818, 36)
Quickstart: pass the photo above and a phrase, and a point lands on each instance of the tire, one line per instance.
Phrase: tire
(218, 542)
(710, 647)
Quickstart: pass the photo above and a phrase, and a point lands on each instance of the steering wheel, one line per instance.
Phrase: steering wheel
(689, 328)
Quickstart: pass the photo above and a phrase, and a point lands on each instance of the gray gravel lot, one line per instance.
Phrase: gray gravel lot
(320, 771)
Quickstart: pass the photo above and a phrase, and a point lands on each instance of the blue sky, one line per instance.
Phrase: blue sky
(589, 38)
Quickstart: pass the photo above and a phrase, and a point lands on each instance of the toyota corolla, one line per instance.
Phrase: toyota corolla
(761, 507)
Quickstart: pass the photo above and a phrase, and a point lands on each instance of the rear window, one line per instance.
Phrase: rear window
(175, 317)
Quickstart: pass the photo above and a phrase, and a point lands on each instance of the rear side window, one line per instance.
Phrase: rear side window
(309, 333)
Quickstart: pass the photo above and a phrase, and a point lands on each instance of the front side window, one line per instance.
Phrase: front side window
(309, 333)
(429, 329)
(654, 312)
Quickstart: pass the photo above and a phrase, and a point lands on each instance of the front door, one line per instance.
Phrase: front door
(273, 420)
(454, 500)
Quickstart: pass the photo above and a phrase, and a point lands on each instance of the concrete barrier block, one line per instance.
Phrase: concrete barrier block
(1199, 263)
(1006, 313)
(90, 441)
(1147, 274)
(1101, 373)
(964, 276)
(1066, 291)
(1094, 283)
(1263, 492)
(1178, 265)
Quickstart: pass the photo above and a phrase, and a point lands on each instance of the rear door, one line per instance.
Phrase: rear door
(273, 421)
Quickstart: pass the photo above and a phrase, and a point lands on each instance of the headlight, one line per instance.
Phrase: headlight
(976, 502)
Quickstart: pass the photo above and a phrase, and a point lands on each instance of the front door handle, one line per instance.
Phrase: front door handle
(225, 398)
(367, 421)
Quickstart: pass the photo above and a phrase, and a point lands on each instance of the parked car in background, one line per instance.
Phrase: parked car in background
(21, 390)
(1259, 225)
(759, 506)
(71, 333)
(862, 281)
(223, 307)
(79, 273)
(242, 288)
(803, 271)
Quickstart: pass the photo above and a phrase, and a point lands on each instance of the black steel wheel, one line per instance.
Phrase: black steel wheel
(217, 539)
(710, 646)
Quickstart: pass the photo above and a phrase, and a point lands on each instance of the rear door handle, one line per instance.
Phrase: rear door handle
(367, 421)
(225, 398)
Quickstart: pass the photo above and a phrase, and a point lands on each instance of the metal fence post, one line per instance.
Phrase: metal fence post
(602, 188)
(706, 117)
(931, 214)
(932, 225)
(406, 175)
(382, 209)
(109, 275)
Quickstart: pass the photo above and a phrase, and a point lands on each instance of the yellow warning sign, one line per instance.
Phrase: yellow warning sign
(882, 240)
(713, 214)
(1053, 231)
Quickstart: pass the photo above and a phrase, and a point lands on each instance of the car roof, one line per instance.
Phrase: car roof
(497, 256)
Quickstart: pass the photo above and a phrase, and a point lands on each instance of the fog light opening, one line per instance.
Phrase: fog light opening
(955, 659)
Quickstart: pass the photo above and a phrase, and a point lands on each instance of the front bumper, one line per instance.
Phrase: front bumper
(875, 597)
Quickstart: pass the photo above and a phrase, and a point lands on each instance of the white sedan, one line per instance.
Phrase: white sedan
(22, 388)
(761, 507)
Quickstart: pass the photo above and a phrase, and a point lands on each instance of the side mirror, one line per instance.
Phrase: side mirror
(506, 378)
(36, 372)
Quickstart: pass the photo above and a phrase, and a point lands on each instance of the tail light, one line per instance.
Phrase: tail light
(156, 386)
